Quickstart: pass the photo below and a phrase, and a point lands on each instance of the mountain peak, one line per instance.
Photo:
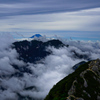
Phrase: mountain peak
(36, 35)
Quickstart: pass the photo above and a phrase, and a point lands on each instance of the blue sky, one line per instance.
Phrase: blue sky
(66, 18)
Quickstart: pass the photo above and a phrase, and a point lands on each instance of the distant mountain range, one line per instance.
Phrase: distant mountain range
(32, 51)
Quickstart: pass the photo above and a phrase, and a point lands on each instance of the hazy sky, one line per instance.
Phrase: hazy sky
(79, 19)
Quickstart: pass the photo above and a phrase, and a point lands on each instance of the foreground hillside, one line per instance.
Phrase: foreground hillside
(83, 84)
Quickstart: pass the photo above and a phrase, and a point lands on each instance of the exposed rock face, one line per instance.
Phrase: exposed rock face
(83, 84)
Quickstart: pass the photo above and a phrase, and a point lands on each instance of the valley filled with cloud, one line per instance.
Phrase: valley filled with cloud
(20, 79)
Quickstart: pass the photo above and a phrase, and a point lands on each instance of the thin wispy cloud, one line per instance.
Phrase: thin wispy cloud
(24, 7)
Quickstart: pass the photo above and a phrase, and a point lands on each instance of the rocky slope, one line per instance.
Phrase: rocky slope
(83, 84)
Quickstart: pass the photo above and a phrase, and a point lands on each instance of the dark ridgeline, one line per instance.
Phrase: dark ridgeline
(34, 50)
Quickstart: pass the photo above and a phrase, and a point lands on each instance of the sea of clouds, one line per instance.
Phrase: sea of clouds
(44, 75)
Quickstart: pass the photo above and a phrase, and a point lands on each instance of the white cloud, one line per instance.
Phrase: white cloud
(5, 66)
(8, 94)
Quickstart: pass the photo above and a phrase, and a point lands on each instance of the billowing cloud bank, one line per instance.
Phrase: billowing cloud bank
(44, 75)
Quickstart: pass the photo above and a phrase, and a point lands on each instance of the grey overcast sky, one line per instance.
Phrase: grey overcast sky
(65, 18)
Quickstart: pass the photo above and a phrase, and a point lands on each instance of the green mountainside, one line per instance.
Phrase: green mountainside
(83, 84)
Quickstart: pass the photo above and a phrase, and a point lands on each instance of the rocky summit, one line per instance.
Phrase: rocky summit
(83, 84)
